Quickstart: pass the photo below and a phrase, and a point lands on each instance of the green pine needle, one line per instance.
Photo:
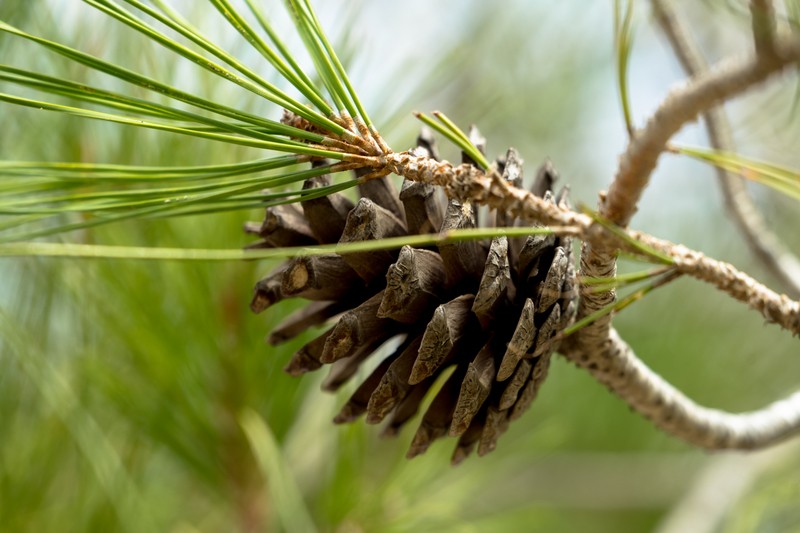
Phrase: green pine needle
(782, 179)
(282, 48)
(172, 203)
(621, 304)
(322, 61)
(134, 78)
(142, 107)
(621, 280)
(623, 42)
(94, 172)
(66, 250)
(300, 82)
(632, 243)
(256, 84)
(361, 111)
(447, 128)
(280, 145)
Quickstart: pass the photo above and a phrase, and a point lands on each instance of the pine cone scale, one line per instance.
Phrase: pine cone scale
(443, 336)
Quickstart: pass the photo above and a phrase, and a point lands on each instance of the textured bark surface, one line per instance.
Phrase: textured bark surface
(648, 393)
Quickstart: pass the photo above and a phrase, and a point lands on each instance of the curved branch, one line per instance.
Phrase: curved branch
(614, 364)
(683, 105)
(762, 241)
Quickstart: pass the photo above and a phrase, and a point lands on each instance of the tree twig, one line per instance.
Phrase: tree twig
(774, 307)
(600, 347)
(738, 203)
(681, 106)
(614, 364)
(719, 487)
(762, 14)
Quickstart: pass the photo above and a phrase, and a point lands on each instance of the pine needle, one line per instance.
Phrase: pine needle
(621, 304)
(447, 128)
(258, 85)
(94, 251)
(782, 179)
(623, 42)
(632, 243)
(300, 82)
(134, 78)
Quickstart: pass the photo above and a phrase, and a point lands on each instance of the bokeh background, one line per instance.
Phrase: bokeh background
(126, 387)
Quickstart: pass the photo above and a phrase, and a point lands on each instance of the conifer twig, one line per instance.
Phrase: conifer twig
(762, 14)
(766, 246)
(602, 352)
(615, 365)
(683, 104)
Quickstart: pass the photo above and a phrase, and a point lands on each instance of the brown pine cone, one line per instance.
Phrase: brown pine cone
(490, 313)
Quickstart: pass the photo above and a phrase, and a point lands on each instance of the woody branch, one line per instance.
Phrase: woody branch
(764, 244)
(598, 348)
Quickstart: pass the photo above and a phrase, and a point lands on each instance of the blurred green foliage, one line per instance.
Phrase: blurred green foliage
(139, 396)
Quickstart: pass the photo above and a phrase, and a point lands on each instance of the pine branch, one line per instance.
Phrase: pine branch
(603, 351)
(614, 364)
(682, 105)
(762, 15)
(762, 241)
(774, 307)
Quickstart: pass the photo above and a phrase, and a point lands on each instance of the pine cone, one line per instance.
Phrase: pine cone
(491, 312)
